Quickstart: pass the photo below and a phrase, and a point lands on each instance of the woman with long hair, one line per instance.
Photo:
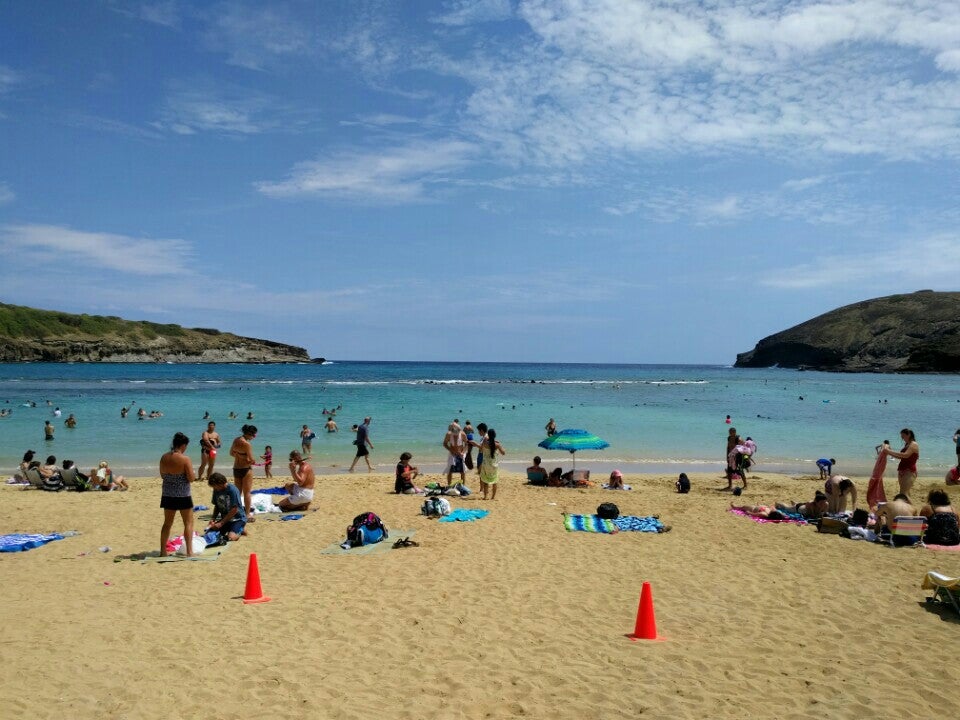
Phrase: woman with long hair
(907, 469)
(489, 471)
(243, 460)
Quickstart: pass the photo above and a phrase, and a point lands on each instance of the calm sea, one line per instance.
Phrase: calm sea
(656, 417)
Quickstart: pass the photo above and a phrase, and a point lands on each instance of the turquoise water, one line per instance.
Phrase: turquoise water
(655, 417)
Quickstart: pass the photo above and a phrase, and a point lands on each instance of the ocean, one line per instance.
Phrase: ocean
(657, 418)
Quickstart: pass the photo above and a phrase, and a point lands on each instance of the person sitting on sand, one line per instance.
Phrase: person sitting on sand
(537, 475)
(50, 474)
(683, 484)
(105, 479)
(556, 478)
(943, 527)
(953, 476)
(406, 474)
(301, 489)
(837, 489)
(228, 516)
(616, 482)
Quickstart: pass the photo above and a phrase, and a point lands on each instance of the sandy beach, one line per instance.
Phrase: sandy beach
(509, 616)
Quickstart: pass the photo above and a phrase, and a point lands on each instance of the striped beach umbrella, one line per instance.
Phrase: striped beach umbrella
(572, 441)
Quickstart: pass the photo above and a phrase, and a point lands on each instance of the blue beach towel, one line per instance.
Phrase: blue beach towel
(465, 515)
(630, 523)
(292, 517)
(17, 542)
(271, 491)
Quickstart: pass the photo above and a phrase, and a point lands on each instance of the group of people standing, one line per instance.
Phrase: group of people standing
(460, 442)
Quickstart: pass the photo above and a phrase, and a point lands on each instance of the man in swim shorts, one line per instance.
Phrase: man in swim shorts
(826, 467)
(362, 442)
(209, 444)
(455, 443)
(301, 489)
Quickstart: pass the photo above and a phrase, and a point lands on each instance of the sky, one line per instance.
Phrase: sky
(495, 180)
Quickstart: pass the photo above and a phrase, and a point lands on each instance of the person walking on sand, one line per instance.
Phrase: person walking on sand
(243, 460)
(209, 444)
(489, 470)
(363, 442)
(306, 440)
(907, 469)
(176, 471)
(455, 443)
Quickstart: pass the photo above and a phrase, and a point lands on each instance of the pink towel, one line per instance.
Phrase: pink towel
(875, 492)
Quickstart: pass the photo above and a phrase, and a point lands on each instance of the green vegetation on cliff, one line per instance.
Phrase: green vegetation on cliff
(28, 334)
(919, 332)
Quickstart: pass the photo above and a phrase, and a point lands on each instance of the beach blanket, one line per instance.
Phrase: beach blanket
(271, 491)
(631, 523)
(21, 542)
(588, 523)
(375, 549)
(789, 517)
(954, 548)
(875, 491)
(465, 515)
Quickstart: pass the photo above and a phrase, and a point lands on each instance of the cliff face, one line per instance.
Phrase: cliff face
(29, 335)
(919, 332)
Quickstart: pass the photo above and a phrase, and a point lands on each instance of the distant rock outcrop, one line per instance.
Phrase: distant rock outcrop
(919, 332)
(29, 335)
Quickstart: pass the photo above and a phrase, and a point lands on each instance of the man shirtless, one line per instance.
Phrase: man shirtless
(209, 444)
(886, 512)
(455, 442)
(301, 489)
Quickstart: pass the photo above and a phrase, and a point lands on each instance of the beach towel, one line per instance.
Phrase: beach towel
(875, 492)
(270, 491)
(465, 515)
(374, 549)
(789, 517)
(631, 523)
(588, 523)
(954, 548)
(21, 542)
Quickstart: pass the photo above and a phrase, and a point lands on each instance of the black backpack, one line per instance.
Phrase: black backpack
(608, 511)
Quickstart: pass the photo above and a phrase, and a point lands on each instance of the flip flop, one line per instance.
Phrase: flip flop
(405, 542)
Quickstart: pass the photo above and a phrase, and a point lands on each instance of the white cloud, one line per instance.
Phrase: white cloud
(914, 263)
(253, 36)
(949, 60)
(189, 110)
(396, 175)
(467, 12)
(8, 78)
(6, 194)
(59, 246)
(161, 13)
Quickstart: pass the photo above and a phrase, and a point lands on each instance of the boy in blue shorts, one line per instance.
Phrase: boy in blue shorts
(229, 519)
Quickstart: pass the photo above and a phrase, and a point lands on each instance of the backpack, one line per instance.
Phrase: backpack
(435, 507)
(608, 511)
(366, 529)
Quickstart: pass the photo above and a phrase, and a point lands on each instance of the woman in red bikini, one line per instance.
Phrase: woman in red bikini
(907, 469)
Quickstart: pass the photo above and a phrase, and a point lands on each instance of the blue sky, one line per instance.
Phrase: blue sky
(526, 180)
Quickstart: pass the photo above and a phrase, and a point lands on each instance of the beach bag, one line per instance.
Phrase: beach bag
(54, 483)
(831, 526)
(366, 529)
(436, 507)
(608, 511)
(199, 545)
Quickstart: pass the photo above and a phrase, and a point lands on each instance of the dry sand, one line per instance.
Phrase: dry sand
(510, 616)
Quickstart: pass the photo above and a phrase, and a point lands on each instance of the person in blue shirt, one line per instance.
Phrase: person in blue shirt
(229, 517)
(826, 467)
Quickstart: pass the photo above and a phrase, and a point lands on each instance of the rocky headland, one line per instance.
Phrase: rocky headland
(31, 335)
(914, 333)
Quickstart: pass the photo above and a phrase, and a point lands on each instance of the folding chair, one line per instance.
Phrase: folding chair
(907, 526)
(946, 589)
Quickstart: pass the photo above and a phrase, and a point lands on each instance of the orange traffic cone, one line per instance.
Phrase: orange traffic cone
(646, 627)
(253, 592)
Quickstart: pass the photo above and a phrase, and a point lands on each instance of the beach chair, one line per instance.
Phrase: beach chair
(537, 478)
(71, 481)
(34, 478)
(946, 589)
(906, 527)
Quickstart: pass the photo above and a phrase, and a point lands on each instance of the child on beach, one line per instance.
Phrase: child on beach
(228, 516)
(267, 458)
